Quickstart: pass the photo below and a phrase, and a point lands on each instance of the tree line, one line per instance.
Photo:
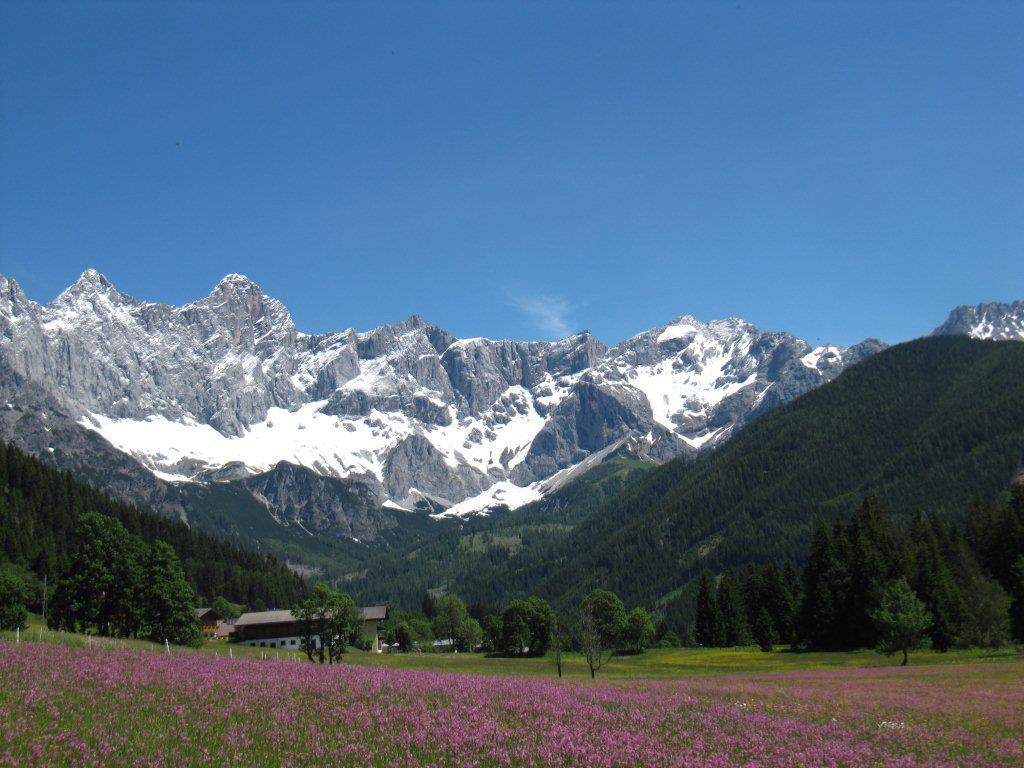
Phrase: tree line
(869, 583)
(119, 586)
(523, 628)
(40, 508)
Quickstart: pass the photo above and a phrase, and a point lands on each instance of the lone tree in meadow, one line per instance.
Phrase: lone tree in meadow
(602, 625)
(901, 620)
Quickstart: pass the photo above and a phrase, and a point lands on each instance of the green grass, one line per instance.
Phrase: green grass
(36, 631)
(672, 663)
(656, 664)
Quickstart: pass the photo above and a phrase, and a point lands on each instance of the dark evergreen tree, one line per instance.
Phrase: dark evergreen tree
(731, 611)
(818, 614)
(167, 612)
(870, 553)
(1017, 594)
(708, 628)
(764, 631)
(778, 599)
(933, 582)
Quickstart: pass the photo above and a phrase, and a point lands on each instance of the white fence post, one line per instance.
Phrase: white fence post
(231, 655)
(17, 635)
(167, 647)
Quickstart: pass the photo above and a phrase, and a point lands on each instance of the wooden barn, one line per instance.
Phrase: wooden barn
(209, 619)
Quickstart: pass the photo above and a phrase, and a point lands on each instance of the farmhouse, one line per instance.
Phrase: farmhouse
(208, 621)
(280, 629)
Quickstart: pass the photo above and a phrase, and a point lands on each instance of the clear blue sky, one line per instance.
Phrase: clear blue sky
(522, 170)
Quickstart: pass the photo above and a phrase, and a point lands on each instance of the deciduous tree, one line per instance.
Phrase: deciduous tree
(603, 620)
(13, 597)
(901, 619)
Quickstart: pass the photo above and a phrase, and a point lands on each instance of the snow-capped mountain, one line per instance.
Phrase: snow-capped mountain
(993, 320)
(226, 388)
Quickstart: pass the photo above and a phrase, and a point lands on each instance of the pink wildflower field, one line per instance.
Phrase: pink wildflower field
(94, 707)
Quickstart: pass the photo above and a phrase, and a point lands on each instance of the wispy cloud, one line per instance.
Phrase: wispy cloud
(549, 313)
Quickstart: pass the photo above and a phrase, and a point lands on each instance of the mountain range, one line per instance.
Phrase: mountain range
(223, 404)
(933, 426)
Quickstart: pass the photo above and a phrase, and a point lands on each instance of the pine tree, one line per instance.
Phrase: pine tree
(732, 612)
(934, 584)
(818, 611)
(764, 631)
(777, 597)
(1017, 594)
(870, 555)
(168, 613)
(708, 630)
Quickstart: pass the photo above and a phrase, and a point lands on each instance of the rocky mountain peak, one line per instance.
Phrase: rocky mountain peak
(226, 386)
(995, 320)
(89, 287)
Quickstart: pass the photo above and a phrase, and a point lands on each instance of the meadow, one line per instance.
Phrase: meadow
(105, 705)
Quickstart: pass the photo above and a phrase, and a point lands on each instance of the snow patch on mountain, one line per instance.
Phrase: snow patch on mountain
(227, 386)
(995, 321)
(828, 354)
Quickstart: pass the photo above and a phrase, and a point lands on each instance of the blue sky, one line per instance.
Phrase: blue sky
(523, 170)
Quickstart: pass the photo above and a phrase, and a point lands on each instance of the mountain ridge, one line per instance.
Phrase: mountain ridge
(227, 384)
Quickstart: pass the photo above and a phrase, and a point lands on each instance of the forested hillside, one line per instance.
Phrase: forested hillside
(490, 558)
(39, 507)
(928, 425)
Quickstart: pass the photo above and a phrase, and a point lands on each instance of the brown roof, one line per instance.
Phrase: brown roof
(264, 617)
(372, 613)
(208, 613)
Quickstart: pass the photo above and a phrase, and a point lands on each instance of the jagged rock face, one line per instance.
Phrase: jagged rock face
(226, 388)
(995, 320)
(319, 505)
